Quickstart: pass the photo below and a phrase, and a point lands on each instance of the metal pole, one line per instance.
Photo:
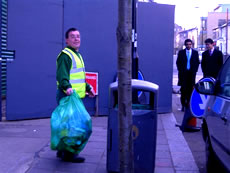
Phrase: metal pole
(134, 40)
(227, 34)
(134, 48)
(97, 106)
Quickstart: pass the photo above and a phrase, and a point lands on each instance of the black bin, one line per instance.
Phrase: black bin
(144, 113)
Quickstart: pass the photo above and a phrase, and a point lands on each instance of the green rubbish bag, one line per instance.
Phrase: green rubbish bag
(71, 125)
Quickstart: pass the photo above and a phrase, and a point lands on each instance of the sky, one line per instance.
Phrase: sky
(188, 12)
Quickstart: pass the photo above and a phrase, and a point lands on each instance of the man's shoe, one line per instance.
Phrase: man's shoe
(77, 159)
(70, 157)
(59, 154)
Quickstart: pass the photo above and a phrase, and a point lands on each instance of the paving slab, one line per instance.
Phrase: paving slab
(180, 152)
(25, 148)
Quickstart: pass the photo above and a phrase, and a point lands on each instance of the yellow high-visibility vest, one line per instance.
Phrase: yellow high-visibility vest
(77, 72)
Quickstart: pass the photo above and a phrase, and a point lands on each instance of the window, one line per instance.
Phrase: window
(224, 80)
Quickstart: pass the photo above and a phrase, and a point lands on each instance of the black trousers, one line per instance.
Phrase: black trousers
(187, 83)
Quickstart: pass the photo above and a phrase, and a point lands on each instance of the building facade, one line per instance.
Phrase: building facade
(214, 20)
(221, 38)
(185, 34)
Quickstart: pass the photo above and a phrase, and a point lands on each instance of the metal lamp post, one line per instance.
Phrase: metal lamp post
(134, 40)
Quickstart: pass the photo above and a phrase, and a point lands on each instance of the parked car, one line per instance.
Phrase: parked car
(216, 119)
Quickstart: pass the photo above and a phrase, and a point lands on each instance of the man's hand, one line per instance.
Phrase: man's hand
(91, 93)
(69, 91)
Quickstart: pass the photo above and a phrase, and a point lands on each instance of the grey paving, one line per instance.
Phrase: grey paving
(25, 148)
(180, 152)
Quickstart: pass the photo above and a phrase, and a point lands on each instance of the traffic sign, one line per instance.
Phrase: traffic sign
(92, 79)
(198, 103)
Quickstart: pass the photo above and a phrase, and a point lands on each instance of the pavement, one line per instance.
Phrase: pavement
(25, 148)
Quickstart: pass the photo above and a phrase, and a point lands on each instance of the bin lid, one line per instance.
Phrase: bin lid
(138, 84)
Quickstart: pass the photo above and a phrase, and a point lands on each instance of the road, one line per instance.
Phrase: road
(194, 139)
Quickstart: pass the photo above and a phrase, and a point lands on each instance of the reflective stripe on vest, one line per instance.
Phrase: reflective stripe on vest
(77, 72)
(75, 81)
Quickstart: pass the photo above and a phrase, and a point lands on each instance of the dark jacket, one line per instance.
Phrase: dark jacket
(211, 65)
(182, 64)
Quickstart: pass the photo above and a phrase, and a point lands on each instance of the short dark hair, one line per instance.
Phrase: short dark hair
(187, 40)
(70, 30)
(209, 40)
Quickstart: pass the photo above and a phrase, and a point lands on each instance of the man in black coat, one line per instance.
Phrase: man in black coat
(187, 66)
(212, 60)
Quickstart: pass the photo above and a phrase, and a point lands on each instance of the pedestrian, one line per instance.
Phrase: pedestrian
(212, 60)
(70, 76)
(187, 66)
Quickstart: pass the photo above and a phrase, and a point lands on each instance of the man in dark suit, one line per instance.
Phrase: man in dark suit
(212, 60)
(187, 66)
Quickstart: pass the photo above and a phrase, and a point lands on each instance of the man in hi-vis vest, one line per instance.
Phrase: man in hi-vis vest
(71, 76)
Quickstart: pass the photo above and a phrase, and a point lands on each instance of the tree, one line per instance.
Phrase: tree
(124, 41)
